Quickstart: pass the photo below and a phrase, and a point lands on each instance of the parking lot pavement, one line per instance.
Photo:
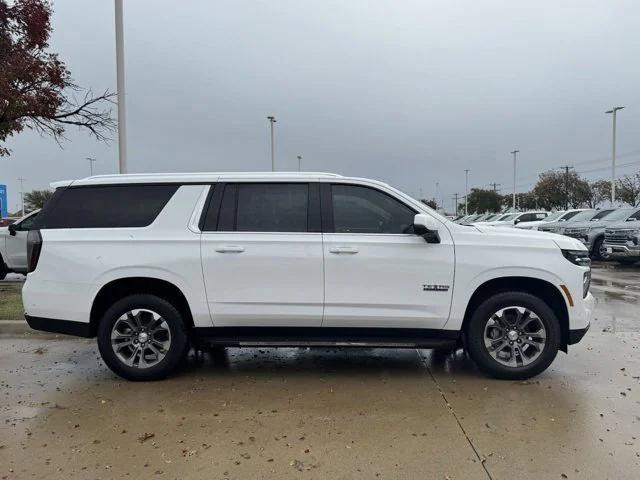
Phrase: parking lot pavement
(294, 413)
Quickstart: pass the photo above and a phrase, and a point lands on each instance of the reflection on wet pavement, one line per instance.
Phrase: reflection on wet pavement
(325, 413)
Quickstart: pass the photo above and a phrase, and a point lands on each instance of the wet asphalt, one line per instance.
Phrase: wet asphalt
(325, 413)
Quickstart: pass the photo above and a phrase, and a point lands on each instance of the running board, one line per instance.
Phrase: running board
(326, 337)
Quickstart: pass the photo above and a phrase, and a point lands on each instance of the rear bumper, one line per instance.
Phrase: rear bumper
(66, 327)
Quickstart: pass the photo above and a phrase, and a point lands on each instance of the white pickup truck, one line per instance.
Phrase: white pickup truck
(13, 245)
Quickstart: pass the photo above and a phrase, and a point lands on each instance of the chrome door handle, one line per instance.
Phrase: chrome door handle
(339, 250)
(230, 249)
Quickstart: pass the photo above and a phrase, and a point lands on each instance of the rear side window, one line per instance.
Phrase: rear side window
(109, 206)
(358, 209)
(264, 207)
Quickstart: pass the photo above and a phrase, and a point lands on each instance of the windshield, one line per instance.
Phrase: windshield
(493, 215)
(554, 216)
(620, 214)
(569, 215)
(601, 214)
(582, 216)
(499, 219)
(509, 217)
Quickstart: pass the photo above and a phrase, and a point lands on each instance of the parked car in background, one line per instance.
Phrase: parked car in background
(517, 218)
(552, 217)
(13, 245)
(569, 216)
(6, 221)
(622, 240)
(284, 259)
(591, 232)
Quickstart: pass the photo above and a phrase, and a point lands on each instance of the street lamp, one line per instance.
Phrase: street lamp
(21, 180)
(466, 191)
(91, 160)
(272, 120)
(299, 160)
(514, 153)
(122, 114)
(613, 155)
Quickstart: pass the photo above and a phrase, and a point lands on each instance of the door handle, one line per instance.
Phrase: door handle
(340, 250)
(230, 249)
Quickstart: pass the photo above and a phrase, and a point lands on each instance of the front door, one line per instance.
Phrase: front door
(378, 273)
(17, 244)
(262, 255)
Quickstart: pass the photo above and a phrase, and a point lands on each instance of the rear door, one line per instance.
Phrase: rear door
(378, 273)
(262, 254)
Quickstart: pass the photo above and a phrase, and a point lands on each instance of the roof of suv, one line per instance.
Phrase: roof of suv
(195, 177)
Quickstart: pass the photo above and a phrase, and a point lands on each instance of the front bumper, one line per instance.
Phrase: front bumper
(580, 318)
(620, 251)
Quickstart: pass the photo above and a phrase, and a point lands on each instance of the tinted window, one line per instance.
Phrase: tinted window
(635, 216)
(601, 214)
(265, 207)
(365, 210)
(106, 206)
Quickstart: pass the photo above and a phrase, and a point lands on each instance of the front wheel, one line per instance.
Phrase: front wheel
(142, 337)
(513, 335)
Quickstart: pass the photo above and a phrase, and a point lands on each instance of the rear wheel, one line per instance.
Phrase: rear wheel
(142, 337)
(513, 335)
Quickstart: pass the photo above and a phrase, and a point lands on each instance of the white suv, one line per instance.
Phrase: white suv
(151, 264)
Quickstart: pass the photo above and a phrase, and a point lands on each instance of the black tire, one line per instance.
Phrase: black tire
(178, 348)
(475, 332)
(3, 269)
(596, 253)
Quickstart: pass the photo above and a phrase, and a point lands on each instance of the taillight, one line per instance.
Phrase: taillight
(34, 246)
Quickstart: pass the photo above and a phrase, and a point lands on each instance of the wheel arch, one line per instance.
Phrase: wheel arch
(542, 289)
(123, 287)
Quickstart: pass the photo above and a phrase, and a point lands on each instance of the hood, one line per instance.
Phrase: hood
(624, 225)
(528, 225)
(597, 224)
(565, 243)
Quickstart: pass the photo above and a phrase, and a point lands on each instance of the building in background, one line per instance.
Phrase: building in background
(4, 208)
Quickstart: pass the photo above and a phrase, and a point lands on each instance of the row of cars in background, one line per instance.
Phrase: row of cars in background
(608, 233)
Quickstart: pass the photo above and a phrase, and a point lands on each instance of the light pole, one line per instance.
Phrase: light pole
(613, 155)
(21, 180)
(91, 160)
(122, 114)
(272, 120)
(299, 160)
(514, 153)
(466, 191)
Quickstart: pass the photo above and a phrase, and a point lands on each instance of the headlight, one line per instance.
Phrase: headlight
(577, 257)
(578, 231)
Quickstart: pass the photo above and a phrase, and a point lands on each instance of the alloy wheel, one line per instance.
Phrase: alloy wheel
(515, 336)
(140, 338)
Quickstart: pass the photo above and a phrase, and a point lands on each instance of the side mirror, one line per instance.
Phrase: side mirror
(426, 227)
(12, 230)
(516, 221)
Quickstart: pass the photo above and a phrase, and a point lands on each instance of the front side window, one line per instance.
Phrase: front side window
(105, 206)
(358, 209)
(264, 207)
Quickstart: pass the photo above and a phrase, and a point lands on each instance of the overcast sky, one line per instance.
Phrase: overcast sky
(409, 92)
